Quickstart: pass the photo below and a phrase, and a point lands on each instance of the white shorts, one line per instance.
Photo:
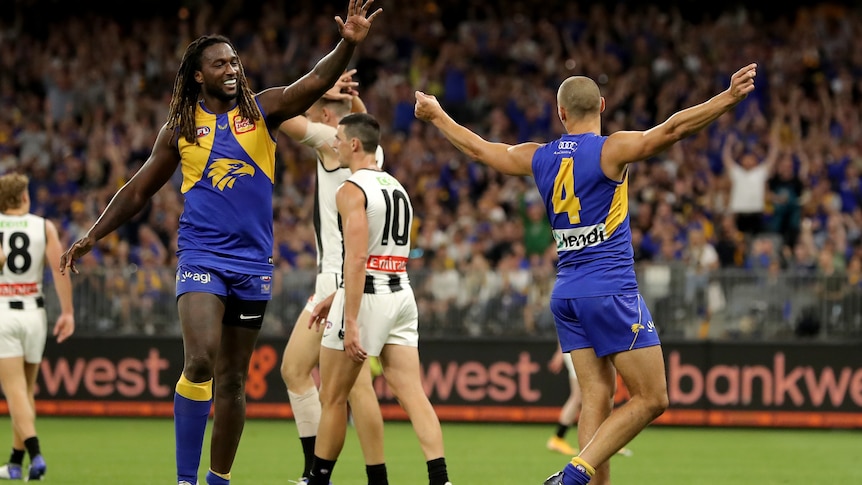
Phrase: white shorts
(567, 359)
(324, 285)
(390, 318)
(23, 333)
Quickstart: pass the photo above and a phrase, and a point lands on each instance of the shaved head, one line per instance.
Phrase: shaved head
(580, 97)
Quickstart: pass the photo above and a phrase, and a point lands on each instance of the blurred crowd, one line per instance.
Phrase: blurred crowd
(773, 187)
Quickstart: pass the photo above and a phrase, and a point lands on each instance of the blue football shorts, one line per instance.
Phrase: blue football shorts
(607, 324)
(225, 283)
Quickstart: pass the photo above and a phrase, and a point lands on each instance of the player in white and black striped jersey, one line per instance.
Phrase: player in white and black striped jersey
(316, 129)
(373, 312)
(27, 243)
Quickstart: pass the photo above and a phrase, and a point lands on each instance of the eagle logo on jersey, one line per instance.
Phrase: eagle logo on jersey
(225, 171)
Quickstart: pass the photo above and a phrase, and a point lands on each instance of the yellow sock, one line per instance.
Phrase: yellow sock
(195, 391)
(580, 461)
(226, 476)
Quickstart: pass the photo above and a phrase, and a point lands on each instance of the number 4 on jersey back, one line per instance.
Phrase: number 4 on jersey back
(565, 201)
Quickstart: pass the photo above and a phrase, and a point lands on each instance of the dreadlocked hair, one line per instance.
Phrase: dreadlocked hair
(186, 93)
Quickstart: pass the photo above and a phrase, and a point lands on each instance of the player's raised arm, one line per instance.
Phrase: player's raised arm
(304, 130)
(508, 159)
(316, 128)
(625, 147)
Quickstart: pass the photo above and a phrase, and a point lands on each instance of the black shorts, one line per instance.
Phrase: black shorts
(244, 313)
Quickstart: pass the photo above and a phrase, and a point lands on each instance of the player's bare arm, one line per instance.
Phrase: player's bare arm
(314, 135)
(351, 206)
(282, 103)
(508, 159)
(65, 325)
(297, 127)
(357, 105)
(131, 198)
(624, 147)
(307, 132)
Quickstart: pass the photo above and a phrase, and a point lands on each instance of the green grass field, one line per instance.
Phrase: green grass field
(140, 452)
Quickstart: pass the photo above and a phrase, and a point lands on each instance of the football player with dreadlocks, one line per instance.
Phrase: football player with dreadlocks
(223, 136)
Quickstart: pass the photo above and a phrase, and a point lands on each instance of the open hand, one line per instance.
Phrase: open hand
(355, 28)
(81, 247)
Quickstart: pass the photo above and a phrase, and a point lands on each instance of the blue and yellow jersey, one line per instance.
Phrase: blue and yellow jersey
(589, 216)
(227, 184)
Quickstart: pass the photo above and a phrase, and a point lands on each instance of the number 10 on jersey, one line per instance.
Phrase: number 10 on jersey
(398, 218)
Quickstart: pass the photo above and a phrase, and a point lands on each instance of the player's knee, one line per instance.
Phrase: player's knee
(286, 374)
(657, 403)
(407, 393)
(294, 373)
(230, 383)
(361, 393)
(198, 368)
(331, 396)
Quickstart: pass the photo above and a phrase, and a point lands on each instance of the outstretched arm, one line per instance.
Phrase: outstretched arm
(131, 198)
(283, 103)
(624, 147)
(508, 159)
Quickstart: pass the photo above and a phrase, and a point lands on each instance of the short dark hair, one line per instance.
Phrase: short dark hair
(364, 127)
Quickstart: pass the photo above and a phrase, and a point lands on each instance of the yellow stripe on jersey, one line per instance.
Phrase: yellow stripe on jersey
(619, 206)
(195, 157)
(251, 137)
(260, 148)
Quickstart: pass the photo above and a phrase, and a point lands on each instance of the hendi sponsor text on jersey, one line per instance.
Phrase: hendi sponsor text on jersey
(579, 237)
